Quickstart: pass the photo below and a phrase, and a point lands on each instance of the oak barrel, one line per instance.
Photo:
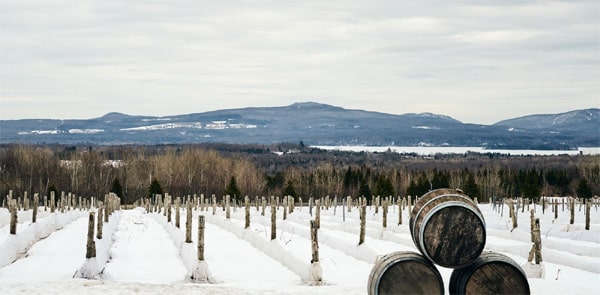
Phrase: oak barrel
(491, 273)
(448, 228)
(404, 272)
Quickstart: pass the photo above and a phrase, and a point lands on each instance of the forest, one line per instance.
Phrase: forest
(136, 171)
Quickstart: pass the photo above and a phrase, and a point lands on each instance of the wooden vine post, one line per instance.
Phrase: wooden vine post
(588, 206)
(247, 219)
(314, 240)
(264, 204)
(13, 216)
(543, 205)
(36, 201)
(513, 215)
(532, 222)
(62, 202)
(384, 209)
(349, 203)
(399, 211)
(188, 223)
(201, 227)
(214, 204)
(363, 217)
(273, 222)
(90, 251)
(318, 213)
(572, 208)
(177, 213)
(227, 209)
(316, 273)
(536, 248)
(168, 209)
(285, 206)
(52, 202)
(25, 201)
(99, 227)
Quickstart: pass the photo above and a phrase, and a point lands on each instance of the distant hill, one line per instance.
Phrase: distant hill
(313, 124)
(573, 120)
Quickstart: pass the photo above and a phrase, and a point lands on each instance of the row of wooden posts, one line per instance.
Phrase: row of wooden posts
(203, 204)
(571, 203)
(105, 209)
(66, 202)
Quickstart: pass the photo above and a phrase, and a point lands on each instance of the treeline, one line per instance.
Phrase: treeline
(286, 169)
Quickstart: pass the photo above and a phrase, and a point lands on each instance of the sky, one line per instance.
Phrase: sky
(476, 61)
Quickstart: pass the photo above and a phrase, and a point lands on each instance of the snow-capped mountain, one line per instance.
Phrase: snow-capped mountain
(314, 124)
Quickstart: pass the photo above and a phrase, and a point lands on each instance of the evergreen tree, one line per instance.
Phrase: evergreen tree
(440, 179)
(412, 189)
(364, 190)
(384, 187)
(470, 187)
(275, 181)
(584, 190)
(155, 188)
(531, 184)
(51, 188)
(289, 190)
(116, 188)
(348, 178)
(233, 190)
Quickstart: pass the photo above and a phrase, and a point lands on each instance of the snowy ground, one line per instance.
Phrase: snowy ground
(142, 253)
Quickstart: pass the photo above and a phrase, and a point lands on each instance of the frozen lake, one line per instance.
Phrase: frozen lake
(432, 150)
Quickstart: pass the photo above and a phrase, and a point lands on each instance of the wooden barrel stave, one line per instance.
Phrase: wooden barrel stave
(491, 273)
(404, 272)
(448, 228)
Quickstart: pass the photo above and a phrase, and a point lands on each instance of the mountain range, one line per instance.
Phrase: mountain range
(313, 124)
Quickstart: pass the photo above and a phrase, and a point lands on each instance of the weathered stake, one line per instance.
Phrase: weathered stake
(188, 223)
(99, 227)
(536, 248)
(227, 209)
(201, 237)
(588, 206)
(177, 213)
(384, 209)
(247, 219)
(316, 272)
(318, 213)
(36, 201)
(91, 245)
(13, 217)
(572, 207)
(315, 241)
(363, 217)
(273, 222)
(52, 202)
(399, 211)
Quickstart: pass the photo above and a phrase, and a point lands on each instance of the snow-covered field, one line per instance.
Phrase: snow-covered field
(142, 253)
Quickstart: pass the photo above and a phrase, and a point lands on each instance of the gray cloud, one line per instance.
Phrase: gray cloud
(475, 61)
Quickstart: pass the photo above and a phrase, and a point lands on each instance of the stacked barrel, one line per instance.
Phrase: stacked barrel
(448, 229)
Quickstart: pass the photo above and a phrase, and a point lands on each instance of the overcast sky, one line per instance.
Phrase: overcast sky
(476, 61)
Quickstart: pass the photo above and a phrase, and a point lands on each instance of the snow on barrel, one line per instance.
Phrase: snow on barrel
(404, 272)
(448, 228)
(491, 273)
